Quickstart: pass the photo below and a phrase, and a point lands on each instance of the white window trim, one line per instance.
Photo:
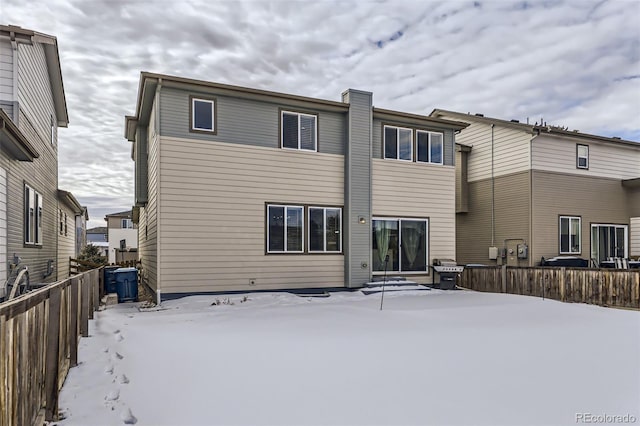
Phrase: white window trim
(324, 233)
(33, 236)
(427, 247)
(560, 234)
(384, 144)
(53, 131)
(124, 223)
(578, 156)
(193, 115)
(286, 207)
(429, 147)
(613, 225)
(300, 115)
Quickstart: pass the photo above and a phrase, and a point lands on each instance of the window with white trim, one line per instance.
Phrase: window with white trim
(285, 225)
(609, 241)
(299, 131)
(61, 215)
(32, 216)
(127, 224)
(400, 245)
(53, 131)
(429, 146)
(325, 227)
(203, 115)
(570, 234)
(398, 143)
(582, 156)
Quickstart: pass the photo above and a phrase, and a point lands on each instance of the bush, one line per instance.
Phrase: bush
(91, 253)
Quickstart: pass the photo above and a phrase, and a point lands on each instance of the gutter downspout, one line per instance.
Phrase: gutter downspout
(493, 193)
(158, 196)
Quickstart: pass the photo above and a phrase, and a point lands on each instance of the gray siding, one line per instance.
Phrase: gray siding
(6, 71)
(512, 210)
(246, 122)
(358, 189)
(595, 200)
(66, 241)
(449, 140)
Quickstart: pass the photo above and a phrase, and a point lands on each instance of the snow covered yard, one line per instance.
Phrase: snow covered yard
(429, 358)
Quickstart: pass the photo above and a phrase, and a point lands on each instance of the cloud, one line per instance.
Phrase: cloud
(575, 63)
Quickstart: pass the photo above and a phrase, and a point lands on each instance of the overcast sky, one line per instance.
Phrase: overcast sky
(576, 64)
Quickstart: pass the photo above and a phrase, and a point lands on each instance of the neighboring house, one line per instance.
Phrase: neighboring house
(32, 107)
(121, 228)
(244, 189)
(98, 237)
(559, 192)
(72, 220)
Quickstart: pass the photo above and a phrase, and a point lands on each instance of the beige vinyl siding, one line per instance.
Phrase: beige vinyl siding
(404, 189)
(595, 200)
(41, 174)
(148, 224)
(66, 243)
(34, 93)
(3, 228)
(511, 149)
(634, 237)
(512, 208)
(607, 160)
(6, 71)
(212, 218)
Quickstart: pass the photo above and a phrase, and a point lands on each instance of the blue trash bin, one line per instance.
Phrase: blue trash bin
(110, 279)
(126, 284)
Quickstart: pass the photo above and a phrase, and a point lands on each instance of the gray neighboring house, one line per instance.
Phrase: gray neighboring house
(244, 189)
(560, 192)
(32, 107)
(99, 237)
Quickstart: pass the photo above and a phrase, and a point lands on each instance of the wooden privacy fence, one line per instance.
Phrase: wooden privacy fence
(39, 335)
(604, 287)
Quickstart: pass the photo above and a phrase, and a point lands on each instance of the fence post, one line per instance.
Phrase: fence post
(73, 325)
(504, 278)
(95, 283)
(84, 307)
(51, 356)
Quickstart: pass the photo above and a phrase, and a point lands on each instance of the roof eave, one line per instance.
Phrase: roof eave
(15, 142)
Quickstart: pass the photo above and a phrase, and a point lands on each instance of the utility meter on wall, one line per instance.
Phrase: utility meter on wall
(523, 251)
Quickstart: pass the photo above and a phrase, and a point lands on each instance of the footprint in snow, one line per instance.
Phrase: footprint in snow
(117, 331)
(108, 369)
(117, 356)
(127, 417)
(113, 395)
(124, 379)
(119, 337)
(106, 350)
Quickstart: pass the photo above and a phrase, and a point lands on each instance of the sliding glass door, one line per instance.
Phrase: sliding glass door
(404, 241)
(609, 241)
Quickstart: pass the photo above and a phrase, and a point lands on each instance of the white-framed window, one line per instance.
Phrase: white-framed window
(203, 115)
(609, 241)
(66, 225)
(404, 240)
(127, 224)
(430, 147)
(61, 215)
(285, 228)
(53, 131)
(325, 229)
(299, 131)
(582, 156)
(570, 234)
(32, 216)
(398, 143)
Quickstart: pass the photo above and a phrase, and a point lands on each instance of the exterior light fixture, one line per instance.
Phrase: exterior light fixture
(362, 220)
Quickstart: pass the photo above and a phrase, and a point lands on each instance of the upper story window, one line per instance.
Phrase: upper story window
(570, 232)
(582, 156)
(398, 143)
(32, 216)
(429, 147)
(53, 131)
(203, 115)
(299, 131)
(127, 224)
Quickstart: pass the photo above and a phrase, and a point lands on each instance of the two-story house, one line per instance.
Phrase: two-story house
(122, 235)
(72, 227)
(544, 190)
(245, 189)
(32, 107)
